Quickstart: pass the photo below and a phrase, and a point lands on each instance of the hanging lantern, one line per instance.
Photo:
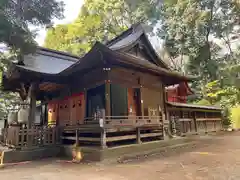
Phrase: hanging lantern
(23, 114)
(12, 118)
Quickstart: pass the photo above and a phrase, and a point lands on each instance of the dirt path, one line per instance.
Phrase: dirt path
(219, 160)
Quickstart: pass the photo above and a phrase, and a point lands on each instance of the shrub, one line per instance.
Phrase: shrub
(235, 117)
(226, 117)
(204, 102)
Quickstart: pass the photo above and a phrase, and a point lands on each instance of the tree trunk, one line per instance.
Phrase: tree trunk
(32, 107)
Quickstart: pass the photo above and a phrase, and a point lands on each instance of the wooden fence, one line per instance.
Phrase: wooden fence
(205, 125)
(18, 138)
(184, 126)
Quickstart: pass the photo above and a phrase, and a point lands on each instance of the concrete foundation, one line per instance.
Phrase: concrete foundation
(96, 154)
(13, 156)
(122, 152)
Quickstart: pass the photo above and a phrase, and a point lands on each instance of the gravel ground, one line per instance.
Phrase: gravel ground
(218, 159)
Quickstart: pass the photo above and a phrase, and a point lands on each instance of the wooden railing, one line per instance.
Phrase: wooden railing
(135, 121)
(123, 121)
(109, 130)
(15, 137)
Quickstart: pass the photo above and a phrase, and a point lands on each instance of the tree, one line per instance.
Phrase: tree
(183, 28)
(6, 99)
(56, 37)
(190, 29)
(15, 18)
(98, 20)
(226, 90)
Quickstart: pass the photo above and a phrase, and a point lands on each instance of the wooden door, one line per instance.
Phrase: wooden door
(132, 106)
(64, 112)
(73, 110)
(137, 101)
(80, 108)
(77, 109)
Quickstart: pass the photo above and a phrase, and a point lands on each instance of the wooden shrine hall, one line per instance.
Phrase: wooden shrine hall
(113, 95)
(178, 92)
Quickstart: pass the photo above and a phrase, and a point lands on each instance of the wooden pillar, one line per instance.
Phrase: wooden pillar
(103, 139)
(138, 133)
(165, 115)
(86, 103)
(195, 122)
(32, 107)
(77, 138)
(166, 125)
(205, 122)
(215, 123)
(103, 135)
(5, 125)
(141, 101)
(107, 98)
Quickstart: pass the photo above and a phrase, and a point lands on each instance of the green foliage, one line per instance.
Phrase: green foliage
(213, 92)
(226, 92)
(6, 99)
(98, 20)
(226, 117)
(190, 28)
(8, 102)
(226, 96)
(16, 16)
(184, 30)
(204, 102)
(57, 37)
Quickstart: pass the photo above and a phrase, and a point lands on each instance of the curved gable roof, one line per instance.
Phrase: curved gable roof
(53, 62)
(101, 55)
(132, 36)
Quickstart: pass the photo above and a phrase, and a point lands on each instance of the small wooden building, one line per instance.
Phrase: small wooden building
(178, 92)
(113, 95)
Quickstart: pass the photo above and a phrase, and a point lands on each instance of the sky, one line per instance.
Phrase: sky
(72, 8)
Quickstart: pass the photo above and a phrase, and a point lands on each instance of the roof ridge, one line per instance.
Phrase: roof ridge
(118, 37)
(137, 27)
(40, 48)
(134, 28)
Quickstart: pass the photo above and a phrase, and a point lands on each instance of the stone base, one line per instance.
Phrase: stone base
(113, 154)
(120, 152)
(14, 156)
(88, 153)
